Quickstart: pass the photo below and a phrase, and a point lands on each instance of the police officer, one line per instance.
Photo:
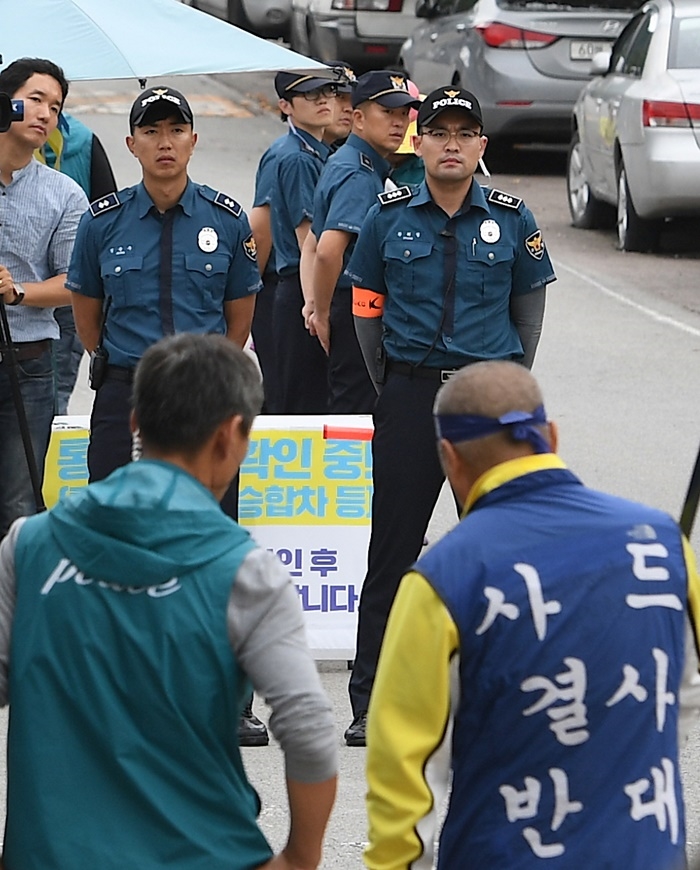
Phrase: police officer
(334, 134)
(444, 275)
(348, 187)
(164, 256)
(307, 102)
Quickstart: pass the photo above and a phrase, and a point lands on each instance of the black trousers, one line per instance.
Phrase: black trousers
(407, 481)
(351, 390)
(302, 364)
(110, 438)
(264, 341)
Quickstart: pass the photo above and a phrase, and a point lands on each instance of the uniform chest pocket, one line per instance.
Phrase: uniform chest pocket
(206, 280)
(121, 277)
(408, 264)
(491, 255)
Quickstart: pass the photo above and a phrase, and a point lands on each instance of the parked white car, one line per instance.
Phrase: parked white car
(635, 143)
(367, 34)
(269, 18)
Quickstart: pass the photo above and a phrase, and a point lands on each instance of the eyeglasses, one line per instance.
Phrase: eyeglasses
(442, 137)
(327, 91)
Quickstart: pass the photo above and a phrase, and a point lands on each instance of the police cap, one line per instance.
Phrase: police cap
(155, 104)
(288, 84)
(345, 78)
(385, 87)
(448, 98)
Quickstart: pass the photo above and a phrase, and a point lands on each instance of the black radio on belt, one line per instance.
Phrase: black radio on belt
(99, 358)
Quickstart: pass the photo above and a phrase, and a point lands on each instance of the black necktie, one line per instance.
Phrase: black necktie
(166, 273)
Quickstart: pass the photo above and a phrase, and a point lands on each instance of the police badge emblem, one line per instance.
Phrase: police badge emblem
(208, 240)
(490, 232)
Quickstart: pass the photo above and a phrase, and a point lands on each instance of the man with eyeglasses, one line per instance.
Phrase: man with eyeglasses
(334, 134)
(444, 275)
(302, 371)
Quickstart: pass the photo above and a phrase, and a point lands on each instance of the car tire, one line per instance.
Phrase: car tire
(297, 37)
(237, 16)
(634, 233)
(586, 210)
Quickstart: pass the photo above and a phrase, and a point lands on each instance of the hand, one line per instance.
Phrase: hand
(282, 862)
(7, 286)
(306, 313)
(321, 329)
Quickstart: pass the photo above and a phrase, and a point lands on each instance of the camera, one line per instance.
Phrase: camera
(10, 110)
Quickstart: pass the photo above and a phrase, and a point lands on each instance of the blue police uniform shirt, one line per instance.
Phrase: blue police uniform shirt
(265, 184)
(499, 253)
(117, 257)
(350, 182)
(299, 160)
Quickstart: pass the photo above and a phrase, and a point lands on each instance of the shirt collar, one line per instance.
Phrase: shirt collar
(474, 199)
(144, 203)
(504, 472)
(24, 170)
(311, 143)
(382, 166)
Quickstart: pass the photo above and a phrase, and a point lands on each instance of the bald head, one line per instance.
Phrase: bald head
(489, 389)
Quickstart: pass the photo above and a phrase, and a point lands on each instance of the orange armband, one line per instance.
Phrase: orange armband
(367, 303)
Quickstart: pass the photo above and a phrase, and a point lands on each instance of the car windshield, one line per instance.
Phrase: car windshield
(604, 5)
(685, 44)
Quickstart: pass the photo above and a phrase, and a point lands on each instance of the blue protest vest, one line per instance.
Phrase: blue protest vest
(570, 610)
(125, 694)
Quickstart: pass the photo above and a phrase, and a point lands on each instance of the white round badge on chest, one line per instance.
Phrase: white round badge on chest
(207, 240)
(490, 231)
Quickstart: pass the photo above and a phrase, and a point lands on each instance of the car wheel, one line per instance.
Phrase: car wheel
(297, 36)
(236, 14)
(587, 211)
(633, 232)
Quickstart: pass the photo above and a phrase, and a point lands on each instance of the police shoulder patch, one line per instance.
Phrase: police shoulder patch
(104, 204)
(250, 249)
(227, 202)
(400, 194)
(534, 245)
(502, 198)
(366, 161)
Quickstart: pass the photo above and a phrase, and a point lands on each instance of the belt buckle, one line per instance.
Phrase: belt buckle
(446, 374)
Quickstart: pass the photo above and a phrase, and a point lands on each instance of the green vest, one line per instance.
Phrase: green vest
(125, 695)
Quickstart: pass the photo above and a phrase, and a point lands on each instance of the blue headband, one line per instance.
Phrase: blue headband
(522, 426)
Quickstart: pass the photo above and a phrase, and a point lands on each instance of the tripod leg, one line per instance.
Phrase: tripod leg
(10, 363)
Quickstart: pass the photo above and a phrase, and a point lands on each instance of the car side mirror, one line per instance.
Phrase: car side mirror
(426, 9)
(600, 64)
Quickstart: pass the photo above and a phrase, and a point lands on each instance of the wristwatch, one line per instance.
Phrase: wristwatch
(19, 295)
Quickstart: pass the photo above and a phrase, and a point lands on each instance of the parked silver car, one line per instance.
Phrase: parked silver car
(367, 34)
(526, 60)
(269, 18)
(636, 128)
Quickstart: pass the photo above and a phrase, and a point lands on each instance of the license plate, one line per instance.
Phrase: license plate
(584, 49)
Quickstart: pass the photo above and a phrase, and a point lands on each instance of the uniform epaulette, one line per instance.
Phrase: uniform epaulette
(227, 202)
(501, 198)
(398, 195)
(366, 161)
(104, 204)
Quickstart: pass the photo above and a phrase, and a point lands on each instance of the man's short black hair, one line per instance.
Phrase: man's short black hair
(186, 385)
(19, 71)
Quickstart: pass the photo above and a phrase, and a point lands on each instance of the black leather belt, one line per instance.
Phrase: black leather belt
(25, 350)
(119, 373)
(441, 375)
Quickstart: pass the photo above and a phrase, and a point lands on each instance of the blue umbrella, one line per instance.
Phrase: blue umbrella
(118, 39)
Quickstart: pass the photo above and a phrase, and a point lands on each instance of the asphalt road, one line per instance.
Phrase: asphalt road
(616, 362)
